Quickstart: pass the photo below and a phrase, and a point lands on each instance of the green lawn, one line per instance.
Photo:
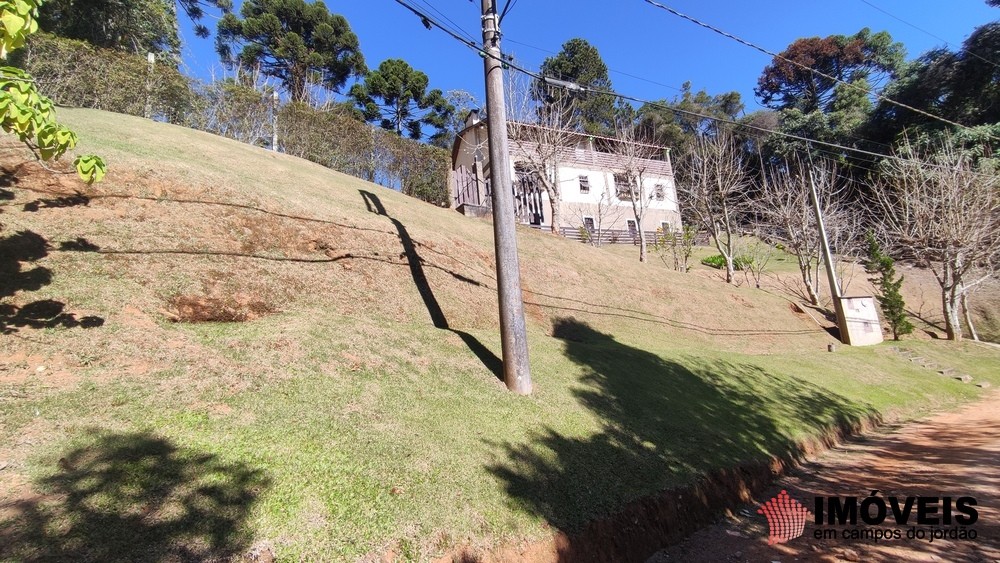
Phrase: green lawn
(346, 424)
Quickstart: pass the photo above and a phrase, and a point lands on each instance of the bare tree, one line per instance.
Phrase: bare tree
(677, 244)
(634, 159)
(785, 209)
(540, 136)
(714, 180)
(756, 255)
(605, 212)
(939, 208)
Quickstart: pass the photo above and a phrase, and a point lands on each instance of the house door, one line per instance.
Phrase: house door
(632, 230)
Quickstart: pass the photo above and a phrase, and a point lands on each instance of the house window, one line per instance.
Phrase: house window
(622, 186)
(665, 226)
(659, 191)
(584, 184)
(632, 229)
(588, 223)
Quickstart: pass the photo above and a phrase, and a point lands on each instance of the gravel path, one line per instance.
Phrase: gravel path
(953, 454)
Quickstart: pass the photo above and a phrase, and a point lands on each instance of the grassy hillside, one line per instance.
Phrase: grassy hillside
(351, 407)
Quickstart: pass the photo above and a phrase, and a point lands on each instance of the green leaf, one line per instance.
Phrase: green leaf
(13, 23)
(90, 168)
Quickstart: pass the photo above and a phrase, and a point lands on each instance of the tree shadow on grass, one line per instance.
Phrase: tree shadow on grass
(46, 313)
(15, 250)
(56, 202)
(22, 246)
(665, 423)
(135, 497)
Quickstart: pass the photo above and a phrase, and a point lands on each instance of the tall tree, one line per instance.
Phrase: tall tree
(540, 138)
(962, 86)
(941, 207)
(578, 61)
(395, 95)
(794, 80)
(714, 180)
(674, 123)
(299, 43)
(137, 26)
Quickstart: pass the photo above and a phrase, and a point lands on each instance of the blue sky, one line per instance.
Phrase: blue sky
(649, 51)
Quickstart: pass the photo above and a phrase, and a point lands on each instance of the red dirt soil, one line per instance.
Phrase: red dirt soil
(952, 454)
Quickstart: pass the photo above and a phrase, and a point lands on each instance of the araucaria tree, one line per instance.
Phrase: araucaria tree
(938, 206)
(580, 62)
(299, 43)
(822, 88)
(395, 95)
(714, 181)
(883, 270)
(806, 75)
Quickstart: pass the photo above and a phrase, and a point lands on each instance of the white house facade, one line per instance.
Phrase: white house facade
(593, 184)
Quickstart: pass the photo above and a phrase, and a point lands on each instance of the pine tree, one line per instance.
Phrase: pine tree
(883, 270)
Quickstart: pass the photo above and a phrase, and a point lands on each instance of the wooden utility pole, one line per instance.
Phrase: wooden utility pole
(513, 333)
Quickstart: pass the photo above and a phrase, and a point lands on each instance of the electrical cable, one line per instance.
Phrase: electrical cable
(454, 26)
(800, 65)
(578, 88)
(924, 31)
(633, 76)
(506, 9)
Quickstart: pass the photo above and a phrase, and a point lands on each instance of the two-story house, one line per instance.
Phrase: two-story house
(593, 177)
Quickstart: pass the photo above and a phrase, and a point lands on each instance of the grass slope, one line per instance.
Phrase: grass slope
(357, 411)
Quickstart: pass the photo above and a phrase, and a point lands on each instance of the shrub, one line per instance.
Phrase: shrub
(741, 263)
(716, 261)
(335, 138)
(75, 73)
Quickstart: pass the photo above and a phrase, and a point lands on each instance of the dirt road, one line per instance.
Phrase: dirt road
(949, 455)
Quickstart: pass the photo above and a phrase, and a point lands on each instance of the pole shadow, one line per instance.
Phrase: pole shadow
(416, 265)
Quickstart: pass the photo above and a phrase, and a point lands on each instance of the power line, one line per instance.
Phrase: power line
(633, 76)
(506, 9)
(580, 89)
(675, 88)
(924, 31)
(455, 27)
(800, 65)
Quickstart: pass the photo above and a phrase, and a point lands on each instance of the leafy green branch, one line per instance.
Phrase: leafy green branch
(26, 113)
